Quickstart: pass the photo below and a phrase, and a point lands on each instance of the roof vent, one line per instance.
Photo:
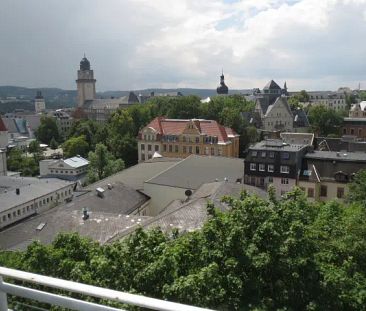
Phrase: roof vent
(110, 186)
(17, 191)
(85, 213)
(100, 192)
(225, 179)
(338, 154)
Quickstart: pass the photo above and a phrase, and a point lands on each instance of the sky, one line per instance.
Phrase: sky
(136, 44)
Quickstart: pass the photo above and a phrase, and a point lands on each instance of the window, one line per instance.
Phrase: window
(164, 148)
(184, 149)
(148, 147)
(285, 155)
(156, 147)
(197, 150)
(197, 140)
(253, 166)
(254, 153)
(270, 168)
(340, 192)
(270, 179)
(263, 154)
(262, 167)
(352, 131)
(271, 154)
(284, 181)
(184, 139)
(170, 148)
(190, 149)
(142, 146)
(285, 169)
(310, 192)
(261, 181)
(323, 191)
(212, 151)
(176, 148)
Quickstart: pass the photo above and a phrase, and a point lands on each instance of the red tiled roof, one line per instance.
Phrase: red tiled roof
(2, 126)
(176, 126)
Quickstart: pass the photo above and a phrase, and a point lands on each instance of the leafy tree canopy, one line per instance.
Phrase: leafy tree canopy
(325, 121)
(75, 146)
(47, 130)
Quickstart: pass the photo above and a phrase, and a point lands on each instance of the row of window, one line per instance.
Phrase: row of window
(352, 131)
(149, 147)
(271, 154)
(31, 207)
(270, 168)
(324, 192)
(184, 139)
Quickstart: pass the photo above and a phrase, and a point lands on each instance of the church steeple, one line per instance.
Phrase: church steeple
(222, 88)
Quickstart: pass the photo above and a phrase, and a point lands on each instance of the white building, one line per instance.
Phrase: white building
(74, 168)
(332, 100)
(21, 197)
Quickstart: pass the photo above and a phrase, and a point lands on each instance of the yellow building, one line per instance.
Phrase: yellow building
(179, 138)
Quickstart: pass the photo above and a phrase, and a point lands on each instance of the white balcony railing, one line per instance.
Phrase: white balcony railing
(72, 303)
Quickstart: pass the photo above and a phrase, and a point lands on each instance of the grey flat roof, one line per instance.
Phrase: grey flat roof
(337, 156)
(76, 162)
(276, 145)
(195, 170)
(30, 189)
(136, 175)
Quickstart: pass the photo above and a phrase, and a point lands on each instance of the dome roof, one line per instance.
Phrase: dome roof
(84, 64)
(222, 89)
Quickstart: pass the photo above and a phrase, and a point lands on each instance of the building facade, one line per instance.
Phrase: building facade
(331, 100)
(22, 197)
(274, 162)
(355, 123)
(74, 168)
(63, 120)
(180, 138)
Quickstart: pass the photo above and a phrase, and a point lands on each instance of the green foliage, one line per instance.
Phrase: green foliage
(325, 121)
(357, 188)
(102, 164)
(18, 161)
(284, 254)
(47, 130)
(34, 147)
(75, 146)
(53, 144)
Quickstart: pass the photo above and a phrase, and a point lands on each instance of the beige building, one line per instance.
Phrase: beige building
(179, 138)
(74, 168)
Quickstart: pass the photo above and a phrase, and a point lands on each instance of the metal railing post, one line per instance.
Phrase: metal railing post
(3, 299)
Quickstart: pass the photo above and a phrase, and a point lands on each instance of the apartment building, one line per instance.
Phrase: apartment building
(177, 138)
(274, 162)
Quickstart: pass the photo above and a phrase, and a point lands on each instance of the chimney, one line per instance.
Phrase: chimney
(85, 213)
(17, 191)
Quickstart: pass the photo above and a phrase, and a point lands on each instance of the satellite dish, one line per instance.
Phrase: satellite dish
(188, 193)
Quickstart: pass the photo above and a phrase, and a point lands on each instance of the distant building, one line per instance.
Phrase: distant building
(74, 168)
(22, 197)
(222, 89)
(39, 103)
(331, 100)
(91, 107)
(355, 123)
(63, 120)
(179, 138)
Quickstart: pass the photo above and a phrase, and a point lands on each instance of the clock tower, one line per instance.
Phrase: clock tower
(85, 83)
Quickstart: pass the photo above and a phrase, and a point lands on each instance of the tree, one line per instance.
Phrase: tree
(325, 121)
(17, 161)
(103, 164)
(75, 146)
(53, 144)
(357, 188)
(34, 147)
(47, 130)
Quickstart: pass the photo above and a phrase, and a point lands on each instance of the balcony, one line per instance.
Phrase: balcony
(73, 287)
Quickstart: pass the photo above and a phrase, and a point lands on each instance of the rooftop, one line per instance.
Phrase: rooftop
(30, 188)
(337, 156)
(196, 170)
(165, 126)
(76, 162)
(277, 144)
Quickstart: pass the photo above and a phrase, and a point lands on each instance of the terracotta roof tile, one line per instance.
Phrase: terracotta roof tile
(176, 126)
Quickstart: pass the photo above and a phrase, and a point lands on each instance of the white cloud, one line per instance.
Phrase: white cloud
(313, 44)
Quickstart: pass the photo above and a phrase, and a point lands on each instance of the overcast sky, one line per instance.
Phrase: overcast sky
(134, 44)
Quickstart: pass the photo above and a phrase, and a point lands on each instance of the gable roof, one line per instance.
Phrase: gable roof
(165, 126)
(278, 101)
(272, 85)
